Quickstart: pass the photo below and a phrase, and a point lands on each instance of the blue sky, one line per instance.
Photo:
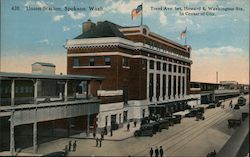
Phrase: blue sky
(220, 43)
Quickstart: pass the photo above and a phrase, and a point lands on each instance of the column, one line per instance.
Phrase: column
(88, 116)
(172, 87)
(35, 136)
(35, 91)
(166, 96)
(155, 77)
(148, 78)
(13, 93)
(66, 90)
(185, 82)
(12, 136)
(161, 82)
(181, 85)
(176, 87)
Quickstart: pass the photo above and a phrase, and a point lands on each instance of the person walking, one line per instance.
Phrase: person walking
(97, 140)
(74, 146)
(151, 152)
(135, 123)
(156, 152)
(111, 132)
(100, 142)
(161, 151)
(128, 126)
(66, 150)
(70, 146)
(94, 134)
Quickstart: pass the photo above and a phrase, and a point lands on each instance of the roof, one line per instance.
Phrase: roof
(45, 64)
(47, 76)
(103, 29)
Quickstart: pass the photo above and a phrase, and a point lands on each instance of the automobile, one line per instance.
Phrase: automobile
(218, 104)
(156, 127)
(211, 105)
(55, 154)
(176, 119)
(145, 130)
(199, 116)
(236, 106)
(201, 109)
(241, 101)
(192, 113)
(164, 124)
(232, 123)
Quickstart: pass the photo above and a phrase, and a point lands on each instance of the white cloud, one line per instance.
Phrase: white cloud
(57, 18)
(44, 41)
(75, 16)
(163, 18)
(184, 22)
(41, 4)
(65, 28)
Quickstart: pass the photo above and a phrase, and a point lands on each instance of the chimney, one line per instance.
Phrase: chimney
(86, 26)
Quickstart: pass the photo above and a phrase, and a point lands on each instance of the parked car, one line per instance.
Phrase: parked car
(55, 154)
(211, 105)
(145, 130)
(236, 106)
(241, 101)
(192, 113)
(164, 124)
(176, 119)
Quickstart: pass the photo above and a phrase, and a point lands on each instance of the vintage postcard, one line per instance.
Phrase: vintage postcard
(124, 78)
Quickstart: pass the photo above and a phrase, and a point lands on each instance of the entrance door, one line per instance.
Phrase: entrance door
(125, 116)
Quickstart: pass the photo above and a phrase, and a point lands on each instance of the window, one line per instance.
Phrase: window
(183, 70)
(158, 66)
(151, 64)
(174, 68)
(107, 61)
(92, 61)
(125, 62)
(164, 67)
(76, 61)
(170, 67)
(179, 69)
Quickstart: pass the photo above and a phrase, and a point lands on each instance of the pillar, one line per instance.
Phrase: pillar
(35, 136)
(185, 82)
(88, 116)
(13, 93)
(176, 87)
(181, 85)
(155, 78)
(66, 90)
(166, 96)
(148, 78)
(12, 136)
(172, 87)
(35, 91)
(161, 82)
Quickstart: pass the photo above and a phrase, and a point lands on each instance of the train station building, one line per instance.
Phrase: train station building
(145, 73)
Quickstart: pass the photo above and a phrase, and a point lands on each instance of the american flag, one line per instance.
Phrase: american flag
(184, 33)
(136, 12)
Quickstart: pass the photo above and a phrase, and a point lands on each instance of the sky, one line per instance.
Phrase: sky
(219, 39)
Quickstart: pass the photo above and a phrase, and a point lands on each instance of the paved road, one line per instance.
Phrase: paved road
(190, 138)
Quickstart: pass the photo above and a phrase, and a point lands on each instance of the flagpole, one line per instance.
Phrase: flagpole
(142, 14)
(186, 37)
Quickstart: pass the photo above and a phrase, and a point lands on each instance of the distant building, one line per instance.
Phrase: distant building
(43, 68)
(145, 73)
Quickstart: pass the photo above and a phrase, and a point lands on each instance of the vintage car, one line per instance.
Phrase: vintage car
(177, 119)
(199, 116)
(145, 130)
(164, 124)
(192, 112)
(236, 106)
(244, 115)
(241, 101)
(211, 105)
(232, 123)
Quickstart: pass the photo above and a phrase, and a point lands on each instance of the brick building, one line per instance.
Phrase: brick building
(144, 72)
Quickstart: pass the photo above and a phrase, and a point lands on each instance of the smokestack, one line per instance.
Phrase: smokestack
(86, 26)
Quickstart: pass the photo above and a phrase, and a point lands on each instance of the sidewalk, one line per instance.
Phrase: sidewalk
(118, 135)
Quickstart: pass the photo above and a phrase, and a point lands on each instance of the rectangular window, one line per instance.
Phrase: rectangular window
(179, 69)
(76, 61)
(170, 67)
(151, 64)
(107, 61)
(174, 68)
(164, 67)
(125, 62)
(183, 70)
(91, 61)
(158, 65)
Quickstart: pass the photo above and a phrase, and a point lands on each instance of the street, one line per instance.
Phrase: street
(190, 138)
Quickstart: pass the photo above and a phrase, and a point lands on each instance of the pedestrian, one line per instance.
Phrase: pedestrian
(70, 146)
(111, 132)
(156, 152)
(151, 152)
(94, 134)
(128, 126)
(231, 104)
(161, 151)
(74, 146)
(66, 150)
(102, 135)
(100, 142)
(135, 123)
(97, 140)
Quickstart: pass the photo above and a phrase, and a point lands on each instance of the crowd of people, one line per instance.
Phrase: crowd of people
(157, 152)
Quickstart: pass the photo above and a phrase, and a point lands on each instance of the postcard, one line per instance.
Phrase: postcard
(124, 78)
